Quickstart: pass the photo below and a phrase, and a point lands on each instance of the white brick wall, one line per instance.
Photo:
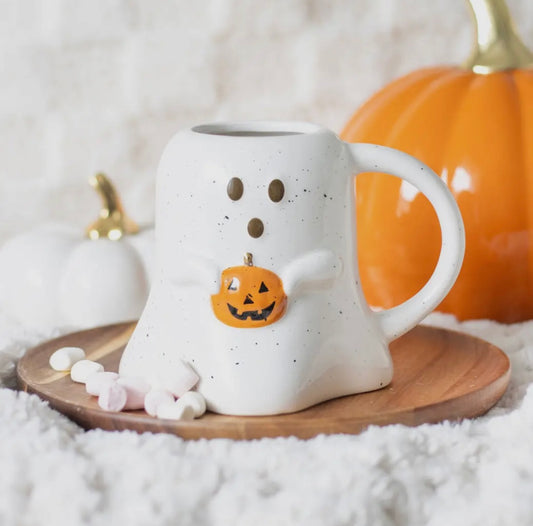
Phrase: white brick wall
(91, 85)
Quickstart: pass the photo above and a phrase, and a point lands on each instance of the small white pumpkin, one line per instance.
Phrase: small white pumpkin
(54, 276)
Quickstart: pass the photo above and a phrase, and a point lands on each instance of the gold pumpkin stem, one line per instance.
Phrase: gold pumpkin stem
(248, 259)
(497, 46)
(112, 223)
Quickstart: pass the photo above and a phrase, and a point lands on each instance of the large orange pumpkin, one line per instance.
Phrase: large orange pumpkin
(474, 126)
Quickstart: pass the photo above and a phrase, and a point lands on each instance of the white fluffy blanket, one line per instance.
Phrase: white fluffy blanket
(477, 472)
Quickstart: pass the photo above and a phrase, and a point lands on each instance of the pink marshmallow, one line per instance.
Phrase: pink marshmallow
(96, 381)
(112, 397)
(136, 389)
(155, 398)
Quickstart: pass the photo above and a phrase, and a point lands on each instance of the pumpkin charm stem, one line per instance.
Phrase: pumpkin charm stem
(497, 45)
(112, 223)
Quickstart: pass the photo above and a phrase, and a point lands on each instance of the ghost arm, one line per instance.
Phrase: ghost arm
(195, 270)
(315, 269)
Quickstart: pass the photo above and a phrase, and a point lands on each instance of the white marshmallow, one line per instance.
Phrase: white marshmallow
(83, 369)
(155, 398)
(136, 390)
(180, 379)
(64, 358)
(112, 397)
(174, 411)
(96, 381)
(195, 400)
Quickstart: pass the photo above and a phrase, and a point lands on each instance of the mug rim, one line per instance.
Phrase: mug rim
(257, 129)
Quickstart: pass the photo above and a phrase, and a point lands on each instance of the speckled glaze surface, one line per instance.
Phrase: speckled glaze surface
(216, 204)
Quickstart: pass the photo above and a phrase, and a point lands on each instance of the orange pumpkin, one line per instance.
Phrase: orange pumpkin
(249, 297)
(474, 126)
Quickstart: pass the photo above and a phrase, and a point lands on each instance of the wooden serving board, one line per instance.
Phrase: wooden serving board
(438, 375)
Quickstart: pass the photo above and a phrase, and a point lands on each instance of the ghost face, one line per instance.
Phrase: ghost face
(276, 191)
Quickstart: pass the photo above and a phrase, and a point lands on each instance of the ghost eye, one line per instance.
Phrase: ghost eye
(235, 189)
(263, 287)
(234, 285)
(276, 190)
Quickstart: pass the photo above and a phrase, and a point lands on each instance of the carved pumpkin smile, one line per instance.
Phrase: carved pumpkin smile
(249, 297)
(255, 315)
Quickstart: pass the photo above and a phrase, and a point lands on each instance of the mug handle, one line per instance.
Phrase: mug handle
(373, 158)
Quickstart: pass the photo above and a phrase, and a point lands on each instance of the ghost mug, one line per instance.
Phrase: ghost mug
(256, 285)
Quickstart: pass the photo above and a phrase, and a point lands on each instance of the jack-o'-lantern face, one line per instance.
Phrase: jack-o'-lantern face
(249, 297)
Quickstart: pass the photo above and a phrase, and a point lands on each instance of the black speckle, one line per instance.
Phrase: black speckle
(236, 363)
(294, 361)
(226, 217)
(212, 377)
(325, 195)
(340, 312)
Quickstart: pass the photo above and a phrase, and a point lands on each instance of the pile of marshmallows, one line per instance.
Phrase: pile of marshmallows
(118, 393)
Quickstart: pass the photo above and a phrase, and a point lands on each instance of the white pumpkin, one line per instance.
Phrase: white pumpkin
(55, 276)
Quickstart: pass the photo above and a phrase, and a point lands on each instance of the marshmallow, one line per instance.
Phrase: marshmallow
(155, 398)
(64, 358)
(175, 411)
(195, 400)
(81, 370)
(179, 379)
(112, 397)
(136, 390)
(96, 381)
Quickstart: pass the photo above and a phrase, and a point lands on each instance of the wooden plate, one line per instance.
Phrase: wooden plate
(438, 375)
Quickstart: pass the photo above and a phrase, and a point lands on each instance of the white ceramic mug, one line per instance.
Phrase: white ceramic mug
(256, 284)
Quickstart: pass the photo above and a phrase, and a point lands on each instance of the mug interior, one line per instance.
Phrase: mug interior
(256, 129)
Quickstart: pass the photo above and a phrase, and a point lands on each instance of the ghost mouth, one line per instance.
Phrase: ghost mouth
(254, 315)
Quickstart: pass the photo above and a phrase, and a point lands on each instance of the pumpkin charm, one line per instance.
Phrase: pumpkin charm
(249, 296)
(474, 126)
(54, 276)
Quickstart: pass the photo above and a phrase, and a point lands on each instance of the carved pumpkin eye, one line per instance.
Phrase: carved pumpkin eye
(263, 287)
(276, 190)
(234, 284)
(235, 189)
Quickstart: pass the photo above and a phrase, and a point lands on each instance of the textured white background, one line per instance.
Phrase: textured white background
(91, 85)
